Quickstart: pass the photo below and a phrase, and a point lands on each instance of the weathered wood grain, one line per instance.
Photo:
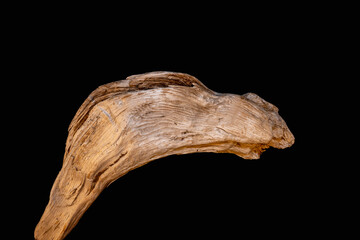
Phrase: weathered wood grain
(126, 124)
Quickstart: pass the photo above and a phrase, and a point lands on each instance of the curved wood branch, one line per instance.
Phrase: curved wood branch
(126, 124)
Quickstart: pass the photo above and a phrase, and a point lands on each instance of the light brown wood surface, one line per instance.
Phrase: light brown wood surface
(126, 124)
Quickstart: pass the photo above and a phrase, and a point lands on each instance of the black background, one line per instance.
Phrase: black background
(204, 194)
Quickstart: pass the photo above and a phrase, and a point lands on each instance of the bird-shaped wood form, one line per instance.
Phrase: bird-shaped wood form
(126, 124)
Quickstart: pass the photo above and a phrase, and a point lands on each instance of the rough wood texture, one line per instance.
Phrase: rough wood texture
(126, 124)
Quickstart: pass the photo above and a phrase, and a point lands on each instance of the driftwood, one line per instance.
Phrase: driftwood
(126, 124)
